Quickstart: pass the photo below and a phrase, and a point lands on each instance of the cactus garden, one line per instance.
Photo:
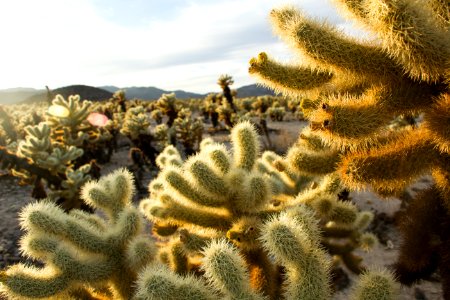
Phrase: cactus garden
(335, 186)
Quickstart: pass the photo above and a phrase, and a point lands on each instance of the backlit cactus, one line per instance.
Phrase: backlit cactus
(188, 130)
(217, 190)
(168, 106)
(218, 194)
(358, 86)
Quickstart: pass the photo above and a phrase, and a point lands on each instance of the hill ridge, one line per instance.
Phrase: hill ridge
(28, 95)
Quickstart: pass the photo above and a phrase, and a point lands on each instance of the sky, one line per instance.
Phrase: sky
(169, 44)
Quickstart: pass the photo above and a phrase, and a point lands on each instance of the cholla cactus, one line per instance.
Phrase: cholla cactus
(188, 130)
(225, 194)
(7, 126)
(65, 145)
(161, 133)
(136, 123)
(276, 112)
(262, 103)
(293, 239)
(210, 104)
(137, 128)
(225, 81)
(67, 119)
(167, 104)
(120, 98)
(92, 257)
(359, 86)
(14, 119)
(156, 115)
(84, 255)
(217, 194)
(73, 123)
(226, 114)
(45, 157)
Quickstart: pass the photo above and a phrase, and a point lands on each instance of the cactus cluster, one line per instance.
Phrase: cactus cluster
(58, 152)
(357, 88)
(218, 194)
(88, 256)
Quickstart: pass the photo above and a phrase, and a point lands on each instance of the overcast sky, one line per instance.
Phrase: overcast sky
(170, 44)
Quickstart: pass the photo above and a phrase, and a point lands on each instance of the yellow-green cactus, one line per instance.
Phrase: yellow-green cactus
(218, 190)
(88, 256)
(80, 250)
(218, 194)
(41, 151)
(188, 130)
(168, 105)
(292, 237)
(136, 123)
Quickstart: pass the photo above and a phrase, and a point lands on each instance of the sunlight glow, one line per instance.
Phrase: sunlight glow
(64, 42)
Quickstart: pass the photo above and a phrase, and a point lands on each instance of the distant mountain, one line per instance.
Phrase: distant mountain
(150, 93)
(253, 90)
(15, 95)
(85, 92)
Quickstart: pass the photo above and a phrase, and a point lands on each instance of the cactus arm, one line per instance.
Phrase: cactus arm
(226, 270)
(284, 78)
(323, 45)
(311, 163)
(182, 186)
(391, 166)
(157, 282)
(178, 260)
(181, 214)
(296, 249)
(375, 284)
(437, 121)
(409, 34)
(78, 250)
(206, 178)
(246, 145)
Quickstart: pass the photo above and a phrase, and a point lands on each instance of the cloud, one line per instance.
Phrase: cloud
(97, 42)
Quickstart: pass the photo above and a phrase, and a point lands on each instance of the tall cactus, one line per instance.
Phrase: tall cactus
(359, 86)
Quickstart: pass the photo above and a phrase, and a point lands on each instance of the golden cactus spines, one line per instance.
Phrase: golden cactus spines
(157, 282)
(410, 35)
(246, 145)
(376, 284)
(295, 248)
(227, 271)
(285, 78)
(312, 163)
(324, 46)
(393, 166)
(176, 179)
(438, 123)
